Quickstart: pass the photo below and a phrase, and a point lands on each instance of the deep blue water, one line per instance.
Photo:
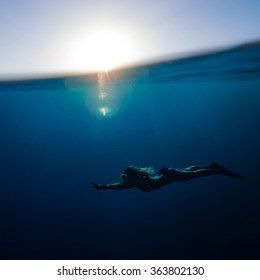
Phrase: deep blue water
(54, 141)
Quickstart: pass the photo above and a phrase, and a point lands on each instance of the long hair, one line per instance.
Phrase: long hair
(134, 173)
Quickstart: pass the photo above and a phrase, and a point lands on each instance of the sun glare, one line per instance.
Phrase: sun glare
(102, 51)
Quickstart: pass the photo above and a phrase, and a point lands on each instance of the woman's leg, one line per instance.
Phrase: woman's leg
(193, 172)
(190, 173)
(213, 165)
(195, 168)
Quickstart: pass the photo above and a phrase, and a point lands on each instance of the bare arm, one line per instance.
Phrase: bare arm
(115, 186)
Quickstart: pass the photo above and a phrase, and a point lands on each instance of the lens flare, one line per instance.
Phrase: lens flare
(105, 111)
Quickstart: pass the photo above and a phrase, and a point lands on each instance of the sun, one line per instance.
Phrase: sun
(102, 50)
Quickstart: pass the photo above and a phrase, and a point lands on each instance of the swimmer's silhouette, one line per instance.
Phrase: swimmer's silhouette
(144, 180)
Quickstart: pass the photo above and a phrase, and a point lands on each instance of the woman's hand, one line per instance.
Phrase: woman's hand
(96, 186)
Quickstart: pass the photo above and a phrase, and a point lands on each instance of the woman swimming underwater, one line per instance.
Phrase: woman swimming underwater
(144, 179)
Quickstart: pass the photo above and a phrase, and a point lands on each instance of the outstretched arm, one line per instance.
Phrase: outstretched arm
(115, 186)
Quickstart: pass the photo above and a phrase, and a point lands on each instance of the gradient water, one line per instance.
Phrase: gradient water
(58, 135)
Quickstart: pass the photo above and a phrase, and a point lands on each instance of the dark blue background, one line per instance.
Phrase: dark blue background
(53, 144)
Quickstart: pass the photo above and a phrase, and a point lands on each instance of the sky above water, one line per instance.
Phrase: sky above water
(64, 36)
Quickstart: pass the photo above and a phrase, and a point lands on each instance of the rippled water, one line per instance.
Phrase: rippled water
(58, 135)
